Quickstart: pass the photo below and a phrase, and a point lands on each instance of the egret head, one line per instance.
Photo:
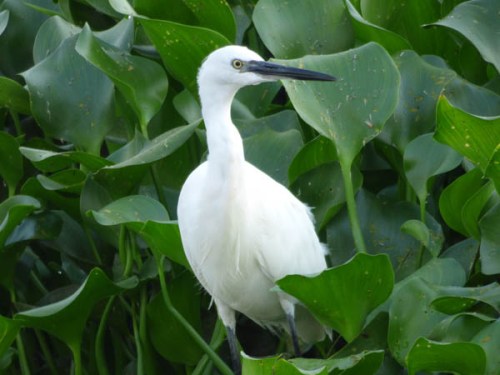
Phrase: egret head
(237, 66)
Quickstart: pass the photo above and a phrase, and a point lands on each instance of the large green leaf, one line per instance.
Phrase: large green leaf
(71, 99)
(381, 220)
(51, 161)
(182, 47)
(456, 299)
(488, 340)
(415, 114)
(11, 167)
(411, 317)
(13, 96)
(490, 241)
(365, 362)
(8, 331)
(342, 297)
(142, 82)
(353, 110)
(148, 218)
(477, 20)
(320, 188)
(4, 20)
(12, 211)
(461, 357)
(215, 15)
(19, 35)
(281, 26)
(475, 137)
(66, 319)
(439, 159)
(406, 19)
(367, 31)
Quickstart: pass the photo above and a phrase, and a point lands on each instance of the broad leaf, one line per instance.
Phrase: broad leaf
(13, 96)
(342, 297)
(11, 168)
(488, 340)
(477, 20)
(12, 211)
(8, 332)
(490, 241)
(142, 82)
(461, 357)
(477, 138)
(286, 39)
(439, 159)
(182, 48)
(353, 110)
(66, 319)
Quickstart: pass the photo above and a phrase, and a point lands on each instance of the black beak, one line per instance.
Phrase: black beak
(265, 68)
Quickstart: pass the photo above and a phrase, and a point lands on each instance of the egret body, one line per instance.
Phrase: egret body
(241, 230)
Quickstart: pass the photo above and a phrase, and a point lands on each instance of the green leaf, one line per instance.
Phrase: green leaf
(276, 366)
(420, 232)
(65, 89)
(281, 26)
(142, 82)
(490, 241)
(457, 299)
(182, 48)
(11, 166)
(50, 161)
(315, 153)
(462, 357)
(12, 211)
(406, 19)
(352, 110)
(475, 137)
(477, 20)
(488, 340)
(163, 238)
(453, 198)
(215, 15)
(320, 189)
(13, 96)
(438, 159)
(66, 319)
(167, 335)
(365, 362)
(411, 317)
(141, 151)
(8, 332)
(68, 181)
(4, 20)
(476, 206)
(415, 113)
(272, 152)
(342, 297)
(381, 220)
(134, 208)
(367, 31)
(51, 34)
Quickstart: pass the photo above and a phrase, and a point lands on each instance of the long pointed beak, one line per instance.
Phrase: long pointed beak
(265, 68)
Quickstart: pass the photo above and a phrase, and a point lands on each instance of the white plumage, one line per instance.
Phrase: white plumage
(240, 229)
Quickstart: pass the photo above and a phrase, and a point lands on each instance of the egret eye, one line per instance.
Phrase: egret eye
(237, 64)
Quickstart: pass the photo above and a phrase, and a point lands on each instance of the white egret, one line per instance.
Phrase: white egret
(240, 229)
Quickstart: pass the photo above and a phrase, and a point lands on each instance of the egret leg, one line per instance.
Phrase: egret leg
(293, 332)
(233, 348)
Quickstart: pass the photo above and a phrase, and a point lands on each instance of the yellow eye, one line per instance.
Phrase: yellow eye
(237, 64)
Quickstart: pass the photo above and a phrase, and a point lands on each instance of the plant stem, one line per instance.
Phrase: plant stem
(23, 362)
(46, 352)
(77, 359)
(218, 336)
(218, 362)
(100, 356)
(138, 344)
(359, 242)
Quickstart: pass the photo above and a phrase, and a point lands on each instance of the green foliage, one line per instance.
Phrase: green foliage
(399, 158)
